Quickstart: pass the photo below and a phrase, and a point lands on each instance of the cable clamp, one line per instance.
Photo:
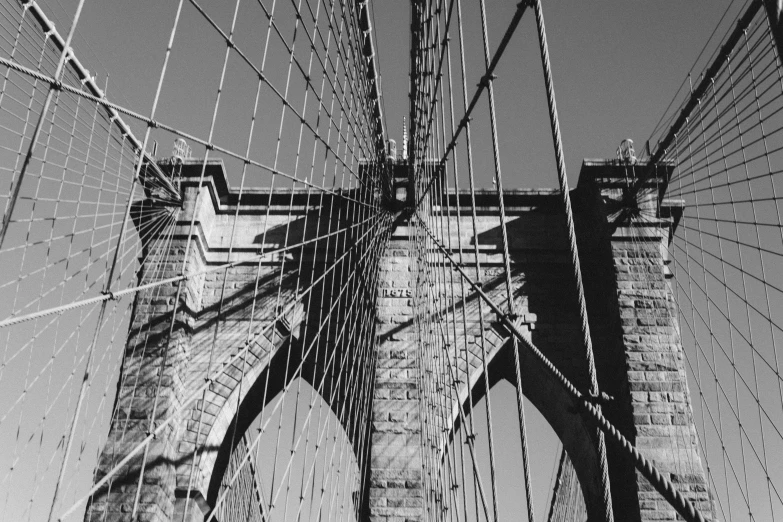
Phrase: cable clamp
(486, 79)
(111, 295)
(599, 399)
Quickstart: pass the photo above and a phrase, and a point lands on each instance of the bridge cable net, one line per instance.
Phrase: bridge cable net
(103, 245)
(452, 281)
(566, 503)
(452, 344)
(714, 175)
(272, 410)
(723, 148)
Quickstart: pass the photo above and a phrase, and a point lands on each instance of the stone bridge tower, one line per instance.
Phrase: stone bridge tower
(631, 308)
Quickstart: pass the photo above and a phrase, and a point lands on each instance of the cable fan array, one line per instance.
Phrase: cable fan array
(104, 247)
(196, 335)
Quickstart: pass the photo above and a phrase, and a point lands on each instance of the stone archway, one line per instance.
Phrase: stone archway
(633, 321)
(245, 320)
(286, 365)
(545, 393)
(297, 454)
(551, 400)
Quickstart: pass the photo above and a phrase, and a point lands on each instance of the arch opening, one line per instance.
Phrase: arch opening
(293, 461)
(554, 427)
(545, 450)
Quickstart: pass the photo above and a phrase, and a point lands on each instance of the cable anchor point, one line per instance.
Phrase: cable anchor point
(599, 398)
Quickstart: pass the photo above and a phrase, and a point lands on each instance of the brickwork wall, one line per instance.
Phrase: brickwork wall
(632, 317)
(147, 345)
(660, 400)
(546, 304)
(396, 487)
(199, 430)
(211, 415)
(639, 351)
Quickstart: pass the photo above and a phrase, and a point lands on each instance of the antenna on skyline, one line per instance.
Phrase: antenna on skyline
(404, 138)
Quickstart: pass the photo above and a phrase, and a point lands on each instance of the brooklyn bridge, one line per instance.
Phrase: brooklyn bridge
(255, 299)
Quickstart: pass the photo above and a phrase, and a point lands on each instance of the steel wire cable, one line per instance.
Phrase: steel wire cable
(346, 103)
(226, 363)
(563, 180)
(725, 250)
(342, 256)
(461, 291)
(662, 484)
(298, 370)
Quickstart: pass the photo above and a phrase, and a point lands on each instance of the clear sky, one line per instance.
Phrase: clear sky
(616, 64)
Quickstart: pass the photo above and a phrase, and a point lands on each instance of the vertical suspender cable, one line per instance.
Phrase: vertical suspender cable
(229, 43)
(474, 218)
(488, 79)
(64, 57)
(7, 217)
(563, 179)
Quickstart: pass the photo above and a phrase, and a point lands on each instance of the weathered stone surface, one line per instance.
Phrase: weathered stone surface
(395, 464)
(632, 315)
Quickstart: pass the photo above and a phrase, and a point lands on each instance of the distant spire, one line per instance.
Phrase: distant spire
(404, 138)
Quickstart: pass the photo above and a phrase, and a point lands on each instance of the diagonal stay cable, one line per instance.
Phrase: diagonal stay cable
(683, 506)
(132, 290)
(156, 124)
(469, 438)
(512, 26)
(735, 412)
(162, 424)
(298, 371)
(702, 87)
